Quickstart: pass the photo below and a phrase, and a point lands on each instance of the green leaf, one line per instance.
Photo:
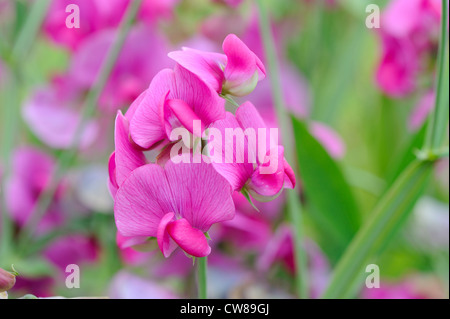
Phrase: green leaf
(333, 205)
(388, 216)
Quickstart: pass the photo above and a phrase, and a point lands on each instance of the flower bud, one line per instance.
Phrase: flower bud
(7, 280)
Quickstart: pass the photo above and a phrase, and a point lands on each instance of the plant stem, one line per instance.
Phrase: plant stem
(202, 277)
(439, 118)
(92, 99)
(294, 205)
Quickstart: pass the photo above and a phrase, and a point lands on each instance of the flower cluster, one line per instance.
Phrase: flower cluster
(175, 201)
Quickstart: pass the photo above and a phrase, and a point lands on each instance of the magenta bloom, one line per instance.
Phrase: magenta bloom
(236, 72)
(175, 98)
(409, 34)
(177, 205)
(98, 15)
(263, 177)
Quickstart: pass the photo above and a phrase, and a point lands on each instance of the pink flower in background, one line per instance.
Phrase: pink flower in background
(31, 173)
(265, 179)
(128, 286)
(177, 205)
(402, 290)
(409, 34)
(55, 120)
(98, 15)
(143, 55)
(329, 139)
(72, 249)
(174, 99)
(281, 249)
(236, 72)
(420, 113)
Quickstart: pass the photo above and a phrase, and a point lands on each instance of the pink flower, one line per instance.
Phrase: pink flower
(96, 16)
(127, 286)
(142, 56)
(420, 113)
(177, 205)
(329, 139)
(270, 173)
(409, 34)
(236, 72)
(31, 173)
(55, 120)
(174, 99)
(402, 290)
(281, 249)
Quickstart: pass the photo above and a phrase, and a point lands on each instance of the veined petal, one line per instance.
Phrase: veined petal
(165, 243)
(193, 241)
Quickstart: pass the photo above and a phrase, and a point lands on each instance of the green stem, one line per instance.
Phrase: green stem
(202, 277)
(387, 216)
(439, 118)
(91, 102)
(294, 205)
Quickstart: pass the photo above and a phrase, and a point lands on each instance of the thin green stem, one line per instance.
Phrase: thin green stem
(202, 278)
(439, 118)
(294, 205)
(65, 160)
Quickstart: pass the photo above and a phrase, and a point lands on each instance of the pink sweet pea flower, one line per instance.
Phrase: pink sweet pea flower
(236, 72)
(266, 177)
(174, 99)
(402, 290)
(177, 205)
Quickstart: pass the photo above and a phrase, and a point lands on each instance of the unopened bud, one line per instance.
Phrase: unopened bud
(7, 280)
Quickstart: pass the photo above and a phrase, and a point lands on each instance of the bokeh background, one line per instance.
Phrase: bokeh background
(363, 93)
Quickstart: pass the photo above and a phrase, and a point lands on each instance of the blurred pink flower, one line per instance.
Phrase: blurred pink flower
(329, 139)
(281, 249)
(177, 205)
(174, 99)
(402, 290)
(71, 249)
(142, 56)
(128, 286)
(31, 173)
(55, 120)
(98, 15)
(420, 113)
(262, 186)
(236, 72)
(409, 33)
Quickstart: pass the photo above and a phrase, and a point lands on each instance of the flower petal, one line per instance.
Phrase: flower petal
(193, 241)
(165, 243)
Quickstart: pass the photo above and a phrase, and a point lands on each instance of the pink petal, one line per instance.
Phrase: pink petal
(146, 127)
(201, 195)
(208, 66)
(227, 164)
(193, 241)
(266, 186)
(329, 139)
(184, 114)
(243, 70)
(165, 243)
(142, 200)
(127, 157)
